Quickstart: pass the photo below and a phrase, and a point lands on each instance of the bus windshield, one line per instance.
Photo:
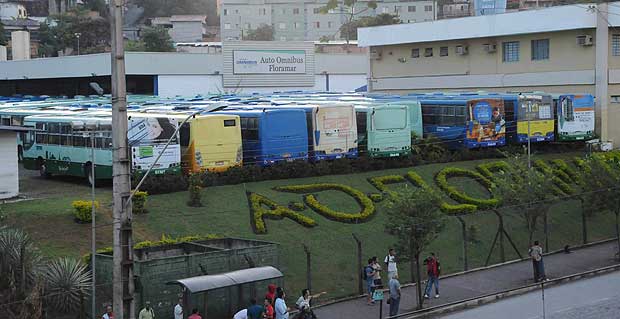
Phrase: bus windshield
(536, 108)
(390, 119)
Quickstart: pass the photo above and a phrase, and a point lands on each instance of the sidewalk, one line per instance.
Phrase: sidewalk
(482, 282)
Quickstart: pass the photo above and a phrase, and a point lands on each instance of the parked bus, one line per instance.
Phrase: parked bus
(208, 141)
(486, 123)
(384, 130)
(61, 145)
(574, 117)
(535, 115)
(271, 135)
(332, 132)
(445, 119)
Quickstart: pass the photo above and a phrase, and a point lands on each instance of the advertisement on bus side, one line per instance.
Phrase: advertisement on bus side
(576, 116)
(486, 125)
(147, 138)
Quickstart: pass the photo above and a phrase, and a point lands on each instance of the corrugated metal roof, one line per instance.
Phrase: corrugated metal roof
(559, 18)
(234, 278)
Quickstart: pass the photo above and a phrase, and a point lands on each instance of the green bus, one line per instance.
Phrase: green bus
(62, 144)
(384, 130)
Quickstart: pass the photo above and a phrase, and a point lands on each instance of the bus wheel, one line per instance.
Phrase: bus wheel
(20, 154)
(89, 174)
(43, 170)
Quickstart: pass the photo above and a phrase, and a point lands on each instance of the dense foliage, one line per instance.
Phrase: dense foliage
(264, 32)
(157, 39)
(59, 34)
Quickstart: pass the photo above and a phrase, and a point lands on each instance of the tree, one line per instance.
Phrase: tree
(99, 6)
(349, 30)
(525, 190)
(157, 39)
(348, 9)
(3, 40)
(135, 46)
(59, 33)
(415, 218)
(264, 32)
(601, 178)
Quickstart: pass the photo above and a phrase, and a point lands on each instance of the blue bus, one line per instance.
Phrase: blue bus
(270, 135)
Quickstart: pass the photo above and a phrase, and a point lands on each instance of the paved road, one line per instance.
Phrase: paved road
(594, 298)
(479, 283)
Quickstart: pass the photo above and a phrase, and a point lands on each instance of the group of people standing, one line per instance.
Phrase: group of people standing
(372, 274)
(274, 306)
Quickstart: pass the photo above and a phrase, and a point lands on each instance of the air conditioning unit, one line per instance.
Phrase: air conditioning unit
(375, 54)
(584, 40)
(490, 47)
(461, 50)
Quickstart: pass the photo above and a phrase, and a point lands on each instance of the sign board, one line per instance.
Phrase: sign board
(377, 295)
(269, 61)
(486, 7)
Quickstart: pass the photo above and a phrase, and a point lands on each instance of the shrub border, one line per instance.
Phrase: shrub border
(276, 212)
(442, 181)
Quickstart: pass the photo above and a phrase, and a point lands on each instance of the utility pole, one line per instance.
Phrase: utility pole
(93, 234)
(123, 288)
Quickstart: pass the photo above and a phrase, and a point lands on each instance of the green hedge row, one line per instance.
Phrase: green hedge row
(449, 172)
(558, 177)
(367, 205)
(258, 213)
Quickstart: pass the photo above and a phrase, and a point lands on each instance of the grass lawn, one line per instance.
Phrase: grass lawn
(48, 218)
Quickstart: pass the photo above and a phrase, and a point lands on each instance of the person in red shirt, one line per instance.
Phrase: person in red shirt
(433, 269)
(271, 293)
(194, 314)
(268, 309)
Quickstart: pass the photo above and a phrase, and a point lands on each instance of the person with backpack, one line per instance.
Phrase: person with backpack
(536, 253)
(368, 274)
(377, 277)
(433, 269)
(147, 312)
(390, 263)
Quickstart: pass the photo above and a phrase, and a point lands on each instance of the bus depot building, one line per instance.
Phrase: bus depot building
(553, 50)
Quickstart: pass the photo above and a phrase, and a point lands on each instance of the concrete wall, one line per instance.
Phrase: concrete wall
(190, 31)
(9, 182)
(3, 55)
(20, 45)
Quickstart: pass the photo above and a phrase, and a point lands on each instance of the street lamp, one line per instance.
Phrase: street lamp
(78, 35)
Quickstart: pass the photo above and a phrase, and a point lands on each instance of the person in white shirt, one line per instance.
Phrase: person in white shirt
(178, 310)
(390, 261)
(241, 314)
(108, 313)
(280, 307)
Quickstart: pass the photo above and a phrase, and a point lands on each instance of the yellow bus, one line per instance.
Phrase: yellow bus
(209, 142)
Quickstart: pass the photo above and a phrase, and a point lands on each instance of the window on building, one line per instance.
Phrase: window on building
(281, 25)
(225, 12)
(397, 9)
(443, 51)
(411, 8)
(296, 25)
(615, 44)
(227, 26)
(511, 51)
(330, 24)
(282, 38)
(248, 26)
(316, 10)
(428, 52)
(613, 99)
(428, 8)
(262, 11)
(236, 11)
(317, 25)
(283, 11)
(296, 11)
(540, 49)
(384, 10)
(415, 53)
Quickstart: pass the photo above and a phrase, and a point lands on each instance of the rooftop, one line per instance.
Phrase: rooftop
(561, 18)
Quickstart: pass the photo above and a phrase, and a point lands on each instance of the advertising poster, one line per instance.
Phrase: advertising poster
(487, 124)
(147, 138)
(575, 114)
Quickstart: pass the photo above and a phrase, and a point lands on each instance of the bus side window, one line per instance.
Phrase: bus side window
(184, 132)
(54, 133)
(6, 121)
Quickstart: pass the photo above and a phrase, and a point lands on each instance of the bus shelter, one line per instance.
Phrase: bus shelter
(238, 280)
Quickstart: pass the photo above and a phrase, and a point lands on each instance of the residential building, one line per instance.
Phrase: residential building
(294, 20)
(60, 6)
(534, 4)
(560, 49)
(455, 9)
(12, 10)
(183, 28)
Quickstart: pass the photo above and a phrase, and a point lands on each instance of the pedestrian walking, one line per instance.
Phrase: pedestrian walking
(394, 299)
(178, 310)
(280, 305)
(377, 269)
(255, 311)
(147, 312)
(433, 269)
(268, 309)
(195, 314)
(108, 313)
(271, 293)
(368, 274)
(536, 253)
(390, 263)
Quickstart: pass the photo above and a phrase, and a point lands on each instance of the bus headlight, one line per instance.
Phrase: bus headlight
(239, 154)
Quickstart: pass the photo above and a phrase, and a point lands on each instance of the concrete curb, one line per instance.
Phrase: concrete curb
(412, 284)
(486, 299)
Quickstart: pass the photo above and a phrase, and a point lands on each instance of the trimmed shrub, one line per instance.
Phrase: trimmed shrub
(380, 182)
(161, 184)
(450, 209)
(461, 197)
(82, 210)
(296, 206)
(138, 203)
(558, 177)
(569, 171)
(258, 213)
(368, 207)
(375, 197)
(194, 191)
(488, 169)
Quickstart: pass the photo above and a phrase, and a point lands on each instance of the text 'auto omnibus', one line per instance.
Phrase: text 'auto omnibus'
(61, 145)
(384, 130)
(574, 117)
(271, 135)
